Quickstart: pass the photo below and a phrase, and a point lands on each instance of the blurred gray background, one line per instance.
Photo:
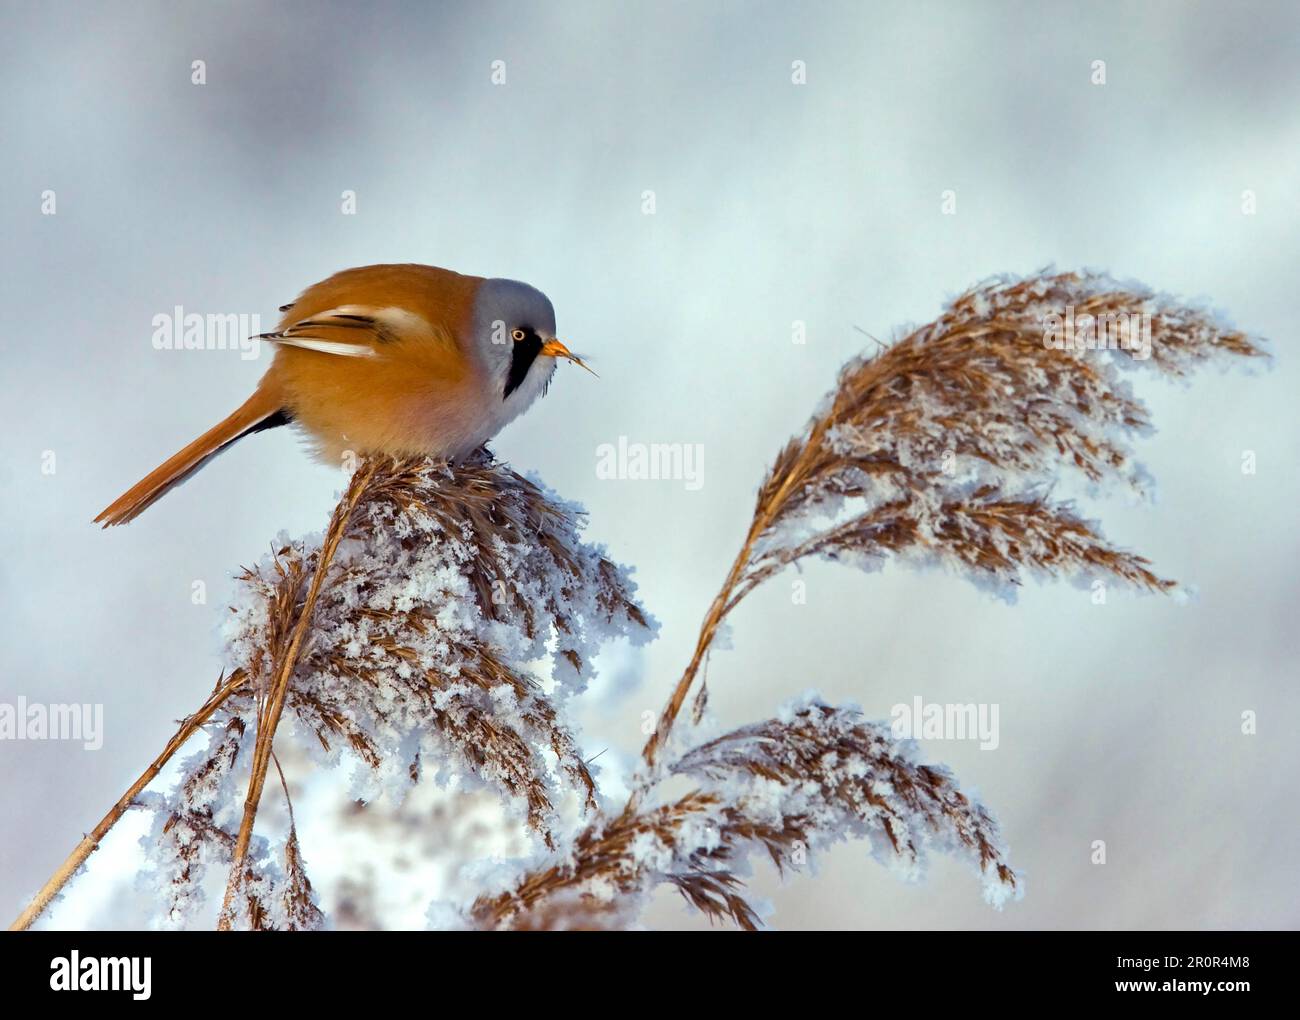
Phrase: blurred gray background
(774, 203)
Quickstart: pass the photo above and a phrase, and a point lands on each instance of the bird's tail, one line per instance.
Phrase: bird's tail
(261, 411)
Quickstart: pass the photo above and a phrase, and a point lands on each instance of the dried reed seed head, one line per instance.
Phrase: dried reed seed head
(818, 771)
(449, 586)
(941, 446)
(399, 643)
(788, 787)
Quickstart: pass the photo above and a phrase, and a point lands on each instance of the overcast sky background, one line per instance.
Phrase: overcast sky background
(774, 203)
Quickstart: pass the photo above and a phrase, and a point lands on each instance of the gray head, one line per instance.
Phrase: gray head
(514, 334)
(512, 322)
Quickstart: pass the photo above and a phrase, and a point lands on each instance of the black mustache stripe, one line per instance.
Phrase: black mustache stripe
(521, 360)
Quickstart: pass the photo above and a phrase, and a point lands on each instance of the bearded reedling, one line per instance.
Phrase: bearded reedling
(398, 360)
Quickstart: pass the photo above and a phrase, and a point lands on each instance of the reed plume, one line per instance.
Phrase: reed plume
(785, 788)
(944, 447)
(445, 589)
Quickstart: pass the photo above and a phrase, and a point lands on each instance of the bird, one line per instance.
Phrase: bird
(396, 360)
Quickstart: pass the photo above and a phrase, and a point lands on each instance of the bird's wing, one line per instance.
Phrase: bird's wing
(351, 331)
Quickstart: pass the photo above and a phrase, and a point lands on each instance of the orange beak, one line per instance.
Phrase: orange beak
(554, 349)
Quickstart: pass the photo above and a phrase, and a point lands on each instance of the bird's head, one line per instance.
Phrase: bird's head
(514, 332)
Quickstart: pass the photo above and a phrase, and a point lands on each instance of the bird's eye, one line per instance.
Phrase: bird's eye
(517, 334)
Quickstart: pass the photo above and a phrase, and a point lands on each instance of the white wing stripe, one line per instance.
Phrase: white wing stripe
(325, 346)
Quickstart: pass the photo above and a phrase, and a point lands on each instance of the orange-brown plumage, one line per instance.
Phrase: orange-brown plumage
(388, 359)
